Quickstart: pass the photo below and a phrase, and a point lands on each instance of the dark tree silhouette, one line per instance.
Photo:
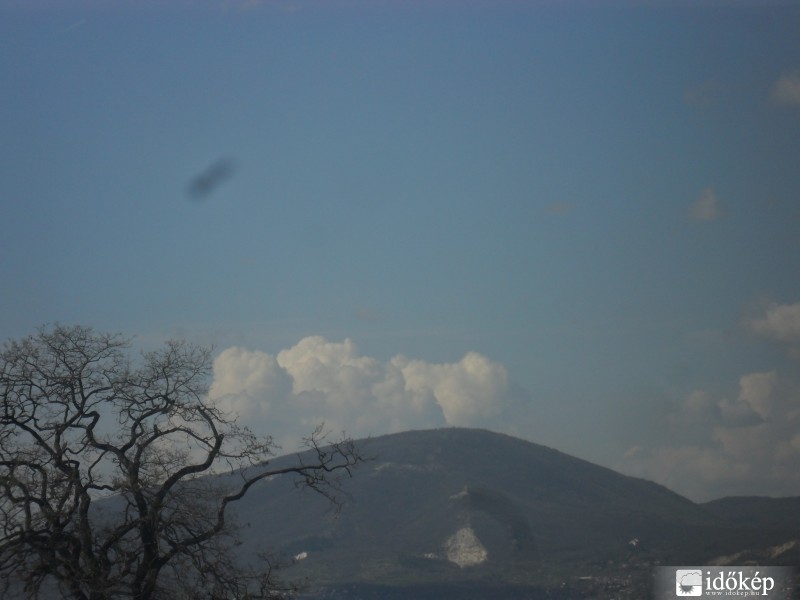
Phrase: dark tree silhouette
(102, 493)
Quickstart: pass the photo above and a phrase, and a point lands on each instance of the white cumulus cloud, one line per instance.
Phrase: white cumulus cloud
(781, 323)
(318, 380)
(243, 377)
(468, 391)
(729, 446)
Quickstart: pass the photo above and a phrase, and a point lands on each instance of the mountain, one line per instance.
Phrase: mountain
(481, 513)
(761, 516)
(758, 511)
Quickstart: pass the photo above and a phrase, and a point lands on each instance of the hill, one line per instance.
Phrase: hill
(451, 507)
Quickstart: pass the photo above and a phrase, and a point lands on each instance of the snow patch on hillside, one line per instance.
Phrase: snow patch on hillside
(462, 494)
(464, 548)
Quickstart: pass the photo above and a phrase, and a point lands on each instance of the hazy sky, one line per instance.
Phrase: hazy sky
(575, 222)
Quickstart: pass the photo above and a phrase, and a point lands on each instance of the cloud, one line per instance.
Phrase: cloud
(786, 91)
(242, 378)
(560, 208)
(756, 391)
(468, 392)
(702, 95)
(781, 323)
(707, 207)
(724, 447)
(318, 381)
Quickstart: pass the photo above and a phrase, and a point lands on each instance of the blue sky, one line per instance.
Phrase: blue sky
(581, 217)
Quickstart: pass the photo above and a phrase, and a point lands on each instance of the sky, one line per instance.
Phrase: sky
(573, 222)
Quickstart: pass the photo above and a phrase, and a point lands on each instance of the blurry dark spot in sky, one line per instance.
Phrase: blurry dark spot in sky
(207, 181)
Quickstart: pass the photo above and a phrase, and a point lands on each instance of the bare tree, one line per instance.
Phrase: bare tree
(82, 427)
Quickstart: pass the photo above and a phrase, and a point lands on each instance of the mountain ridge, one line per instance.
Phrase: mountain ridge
(449, 506)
